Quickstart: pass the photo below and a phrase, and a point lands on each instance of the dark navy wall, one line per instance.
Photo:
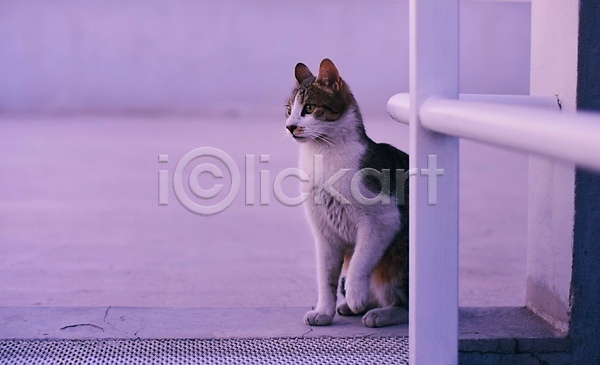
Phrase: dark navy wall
(585, 286)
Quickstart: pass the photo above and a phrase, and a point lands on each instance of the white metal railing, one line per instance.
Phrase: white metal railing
(399, 105)
(571, 137)
(437, 117)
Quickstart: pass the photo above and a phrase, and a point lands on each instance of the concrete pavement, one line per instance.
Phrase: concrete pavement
(80, 223)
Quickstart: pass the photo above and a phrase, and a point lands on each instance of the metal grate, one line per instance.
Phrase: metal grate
(308, 351)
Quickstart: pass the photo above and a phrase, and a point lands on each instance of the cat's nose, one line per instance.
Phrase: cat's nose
(291, 128)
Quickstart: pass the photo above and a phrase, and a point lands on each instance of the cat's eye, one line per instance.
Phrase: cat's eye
(309, 108)
(288, 110)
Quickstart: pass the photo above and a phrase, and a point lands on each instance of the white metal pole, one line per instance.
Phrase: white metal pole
(433, 321)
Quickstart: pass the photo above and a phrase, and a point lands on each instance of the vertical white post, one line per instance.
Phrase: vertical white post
(433, 322)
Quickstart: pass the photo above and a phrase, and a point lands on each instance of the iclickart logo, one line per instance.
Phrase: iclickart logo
(225, 174)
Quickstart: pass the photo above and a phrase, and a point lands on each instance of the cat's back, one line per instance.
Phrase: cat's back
(385, 157)
(381, 156)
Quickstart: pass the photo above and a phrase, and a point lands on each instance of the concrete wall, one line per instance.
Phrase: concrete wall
(190, 56)
(551, 183)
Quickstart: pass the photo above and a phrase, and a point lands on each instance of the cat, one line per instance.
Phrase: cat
(364, 244)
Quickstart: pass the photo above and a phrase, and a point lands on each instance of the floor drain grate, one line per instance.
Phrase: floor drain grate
(309, 351)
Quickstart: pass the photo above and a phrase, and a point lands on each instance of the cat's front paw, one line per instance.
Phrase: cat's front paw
(344, 310)
(357, 296)
(380, 317)
(315, 318)
(376, 318)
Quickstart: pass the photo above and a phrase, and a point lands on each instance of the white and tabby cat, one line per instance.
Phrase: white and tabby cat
(365, 243)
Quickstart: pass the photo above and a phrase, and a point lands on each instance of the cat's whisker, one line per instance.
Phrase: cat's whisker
(319, 136)
(324, 138)
(284, 135)
(327, 139)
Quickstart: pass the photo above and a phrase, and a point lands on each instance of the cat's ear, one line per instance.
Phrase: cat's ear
(329, 75)
(302, 73)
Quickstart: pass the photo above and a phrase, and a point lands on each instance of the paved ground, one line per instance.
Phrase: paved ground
(80, 223)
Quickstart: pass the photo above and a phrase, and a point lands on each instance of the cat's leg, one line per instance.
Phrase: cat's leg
(329, 266)
(387, 316)
(343, 309)
(372, 241)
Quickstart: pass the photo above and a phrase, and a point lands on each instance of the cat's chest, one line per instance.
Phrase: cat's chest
(331, 168)
(331, 204)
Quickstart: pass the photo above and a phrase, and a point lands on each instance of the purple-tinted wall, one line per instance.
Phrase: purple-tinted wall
(191, 56)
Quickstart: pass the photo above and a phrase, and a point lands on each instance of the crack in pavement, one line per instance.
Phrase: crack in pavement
(114, 326)
(106, 315)
(307, 332)
(81, 325)
(138, 331)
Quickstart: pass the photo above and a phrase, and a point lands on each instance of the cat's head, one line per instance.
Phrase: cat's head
(322, 109)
